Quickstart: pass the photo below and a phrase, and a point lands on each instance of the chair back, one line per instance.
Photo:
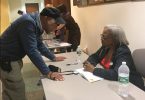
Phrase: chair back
(139, 60)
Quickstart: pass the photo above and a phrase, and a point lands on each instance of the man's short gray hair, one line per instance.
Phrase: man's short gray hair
(118, 34)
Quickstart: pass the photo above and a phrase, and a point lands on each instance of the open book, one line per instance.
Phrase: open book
(88, 75)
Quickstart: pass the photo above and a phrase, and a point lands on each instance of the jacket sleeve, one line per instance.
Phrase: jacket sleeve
(94, 58)
(122, 54)
(28, 40)
(44, 50)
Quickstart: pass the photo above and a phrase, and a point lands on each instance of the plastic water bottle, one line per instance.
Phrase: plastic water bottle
(79, 52)
(123, 78)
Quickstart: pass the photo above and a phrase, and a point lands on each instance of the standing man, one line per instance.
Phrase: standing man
(74, 35)
(23, 37)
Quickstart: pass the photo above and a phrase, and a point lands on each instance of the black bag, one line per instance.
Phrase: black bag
(54, 68)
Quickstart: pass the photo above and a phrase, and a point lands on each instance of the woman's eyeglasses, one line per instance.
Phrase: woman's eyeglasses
(103, 36)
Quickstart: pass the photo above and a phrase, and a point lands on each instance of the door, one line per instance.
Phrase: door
(32, 7)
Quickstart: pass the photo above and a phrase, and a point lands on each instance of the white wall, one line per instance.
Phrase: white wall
(16, 5)
(92, 19)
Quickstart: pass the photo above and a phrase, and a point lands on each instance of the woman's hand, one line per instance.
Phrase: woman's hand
(55, 76)
(88, 67)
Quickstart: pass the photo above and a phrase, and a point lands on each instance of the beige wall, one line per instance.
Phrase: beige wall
(16, 5)
(92, 19)
(4, 15)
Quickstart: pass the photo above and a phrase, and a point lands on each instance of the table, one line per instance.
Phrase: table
(74, 87)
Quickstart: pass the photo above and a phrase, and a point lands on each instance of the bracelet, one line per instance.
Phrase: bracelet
(51, 77)
(50, 74)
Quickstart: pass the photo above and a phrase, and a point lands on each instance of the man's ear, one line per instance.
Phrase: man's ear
(44, 24)
(43, 21)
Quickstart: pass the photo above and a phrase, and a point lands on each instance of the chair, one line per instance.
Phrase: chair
(139, 60)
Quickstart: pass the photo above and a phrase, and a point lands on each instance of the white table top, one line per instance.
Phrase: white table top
(74, 87)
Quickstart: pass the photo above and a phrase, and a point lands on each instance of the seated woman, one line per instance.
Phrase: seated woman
(113, 52)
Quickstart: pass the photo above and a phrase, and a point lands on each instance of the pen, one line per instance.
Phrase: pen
(72, 64)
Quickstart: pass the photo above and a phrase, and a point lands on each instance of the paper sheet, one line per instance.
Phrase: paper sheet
(88, 75)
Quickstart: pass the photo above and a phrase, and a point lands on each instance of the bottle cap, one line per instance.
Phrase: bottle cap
(124, 63)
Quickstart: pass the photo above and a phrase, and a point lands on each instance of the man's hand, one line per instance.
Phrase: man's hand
(88, 67)
(60, 58)
(55, 76)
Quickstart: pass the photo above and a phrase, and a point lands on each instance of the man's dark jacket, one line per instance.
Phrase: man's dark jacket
(23, 37)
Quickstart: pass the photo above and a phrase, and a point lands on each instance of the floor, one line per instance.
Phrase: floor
(31, 76)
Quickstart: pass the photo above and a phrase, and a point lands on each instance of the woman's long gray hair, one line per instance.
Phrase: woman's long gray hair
(118, 34)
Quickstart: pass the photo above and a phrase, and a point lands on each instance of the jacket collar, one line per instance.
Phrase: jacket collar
(36, 17)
